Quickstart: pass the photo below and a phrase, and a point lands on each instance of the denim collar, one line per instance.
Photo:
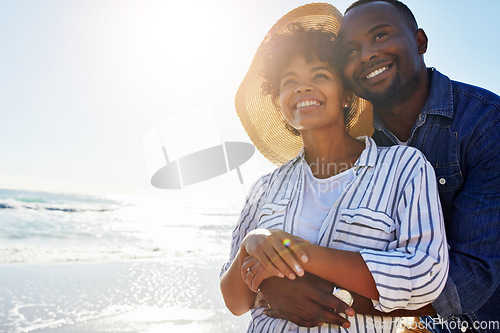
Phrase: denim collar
(439, 101)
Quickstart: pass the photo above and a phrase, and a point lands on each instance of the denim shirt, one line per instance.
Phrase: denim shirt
(458, 130)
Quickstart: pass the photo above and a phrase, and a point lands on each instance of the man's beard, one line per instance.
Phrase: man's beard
(392, 96)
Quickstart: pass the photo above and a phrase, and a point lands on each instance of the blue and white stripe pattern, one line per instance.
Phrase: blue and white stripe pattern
(390, 213)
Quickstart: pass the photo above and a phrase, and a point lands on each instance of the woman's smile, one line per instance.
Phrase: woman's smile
(307, 105)
(311, 94)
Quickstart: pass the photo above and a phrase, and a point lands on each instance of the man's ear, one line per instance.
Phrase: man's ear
(421, 41)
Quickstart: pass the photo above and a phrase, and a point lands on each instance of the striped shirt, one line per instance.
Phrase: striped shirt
(389, 212)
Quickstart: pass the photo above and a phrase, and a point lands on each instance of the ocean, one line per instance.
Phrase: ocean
(59, 227)
(85, 263)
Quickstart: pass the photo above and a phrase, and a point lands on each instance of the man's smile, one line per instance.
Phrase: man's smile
(377, 72)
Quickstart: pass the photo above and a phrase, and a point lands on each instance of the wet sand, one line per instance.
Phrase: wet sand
(180, 295)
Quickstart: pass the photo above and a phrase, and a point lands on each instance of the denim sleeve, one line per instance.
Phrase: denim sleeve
(474, 226)
(448, 302)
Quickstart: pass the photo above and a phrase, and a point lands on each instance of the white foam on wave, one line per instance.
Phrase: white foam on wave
(115, 229)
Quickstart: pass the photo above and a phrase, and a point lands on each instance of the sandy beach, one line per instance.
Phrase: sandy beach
(80, 263)
(134, 296)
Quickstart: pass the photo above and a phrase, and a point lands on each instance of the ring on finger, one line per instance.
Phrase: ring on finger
(249, 270)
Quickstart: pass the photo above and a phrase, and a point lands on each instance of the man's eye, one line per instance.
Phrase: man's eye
(351, 52)
(379, 36)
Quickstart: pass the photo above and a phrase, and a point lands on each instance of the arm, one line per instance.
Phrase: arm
(473, 227)
(363, 305)
(237, 296)
(265, 246)
(306, 301)
(274, 289)
(412, 270)
(343, 268)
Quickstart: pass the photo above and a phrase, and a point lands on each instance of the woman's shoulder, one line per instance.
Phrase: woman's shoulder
(400, 151)
(284, 170)
(393, 154)
(405, 161)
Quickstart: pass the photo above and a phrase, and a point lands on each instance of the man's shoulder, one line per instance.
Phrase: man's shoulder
(476, 111)
(469, 91)
(473, 108)
(464, 96)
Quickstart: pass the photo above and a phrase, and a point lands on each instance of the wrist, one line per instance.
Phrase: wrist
(242, 254)
(247, 241)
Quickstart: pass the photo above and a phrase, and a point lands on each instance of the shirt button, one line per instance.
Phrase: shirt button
(432, 273)
(442, 181)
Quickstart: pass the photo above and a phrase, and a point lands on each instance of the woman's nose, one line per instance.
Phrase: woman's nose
(302, 88)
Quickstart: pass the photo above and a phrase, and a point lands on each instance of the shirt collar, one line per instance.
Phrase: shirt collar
(439, 101)
(368, 156)
(302, 154)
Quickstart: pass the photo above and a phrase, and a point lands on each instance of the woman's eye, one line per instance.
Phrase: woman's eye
(287, 82)
(320, 76)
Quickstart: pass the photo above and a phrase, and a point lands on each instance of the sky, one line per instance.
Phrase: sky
(90, 91)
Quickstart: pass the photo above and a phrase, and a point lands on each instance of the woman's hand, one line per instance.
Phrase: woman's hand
(253, 273)
(277, 251)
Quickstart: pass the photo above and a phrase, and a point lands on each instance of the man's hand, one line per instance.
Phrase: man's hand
(305, 301)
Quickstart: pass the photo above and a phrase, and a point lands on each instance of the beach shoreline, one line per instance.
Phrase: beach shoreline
(174, 295)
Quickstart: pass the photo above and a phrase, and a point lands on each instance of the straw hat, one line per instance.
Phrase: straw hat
(262, 119)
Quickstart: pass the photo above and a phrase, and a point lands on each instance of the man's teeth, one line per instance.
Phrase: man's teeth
(307, 103)
(377, 72)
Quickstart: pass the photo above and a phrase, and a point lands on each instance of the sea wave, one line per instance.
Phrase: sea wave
(13, 205)
(60, 227)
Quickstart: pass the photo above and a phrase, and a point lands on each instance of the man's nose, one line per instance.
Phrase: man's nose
(368, 54)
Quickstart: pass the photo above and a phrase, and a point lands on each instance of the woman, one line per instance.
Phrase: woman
(366, 218)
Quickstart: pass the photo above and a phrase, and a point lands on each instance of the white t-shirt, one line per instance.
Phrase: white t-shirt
(401, 143)
(319, 197)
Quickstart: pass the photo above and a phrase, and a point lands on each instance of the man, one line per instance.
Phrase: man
(457, 126)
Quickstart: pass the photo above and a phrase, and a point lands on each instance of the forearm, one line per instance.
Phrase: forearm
(238, 297)
(343, 268)
(363, 305)
(348, 270)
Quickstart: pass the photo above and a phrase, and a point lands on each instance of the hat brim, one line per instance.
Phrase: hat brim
(262, 119)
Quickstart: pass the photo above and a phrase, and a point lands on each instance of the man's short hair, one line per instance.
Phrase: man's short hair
(403, 10)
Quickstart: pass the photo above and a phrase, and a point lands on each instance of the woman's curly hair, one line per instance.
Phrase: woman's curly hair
(281, 48)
